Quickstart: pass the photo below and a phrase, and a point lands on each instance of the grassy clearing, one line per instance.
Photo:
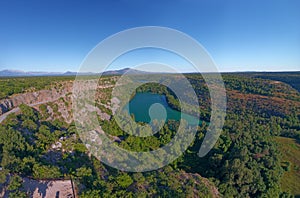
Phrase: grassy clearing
(291, 159)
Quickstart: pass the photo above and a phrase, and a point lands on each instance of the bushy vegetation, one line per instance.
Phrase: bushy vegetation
(291, 78)
(15, 85)
(247, 160)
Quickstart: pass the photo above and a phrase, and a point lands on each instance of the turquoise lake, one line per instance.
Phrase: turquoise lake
(141, 103)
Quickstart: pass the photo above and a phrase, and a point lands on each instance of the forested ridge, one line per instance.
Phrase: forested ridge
(246, 161)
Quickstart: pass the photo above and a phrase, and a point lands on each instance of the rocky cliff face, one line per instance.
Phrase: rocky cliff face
(34, 98)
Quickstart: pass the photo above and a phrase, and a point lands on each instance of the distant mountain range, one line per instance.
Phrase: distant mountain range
(20, 73)
(15, 73)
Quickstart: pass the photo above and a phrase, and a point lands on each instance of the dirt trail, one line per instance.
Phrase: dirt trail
(17, 109)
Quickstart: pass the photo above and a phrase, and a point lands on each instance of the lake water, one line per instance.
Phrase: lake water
(141, 103)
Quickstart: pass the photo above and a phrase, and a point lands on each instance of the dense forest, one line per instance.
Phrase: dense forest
(248, 160)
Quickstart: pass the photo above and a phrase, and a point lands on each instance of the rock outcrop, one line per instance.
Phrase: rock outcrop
(34, 98)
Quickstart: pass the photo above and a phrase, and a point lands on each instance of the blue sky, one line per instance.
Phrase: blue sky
(240, 35)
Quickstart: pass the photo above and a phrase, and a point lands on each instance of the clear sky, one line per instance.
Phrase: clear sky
(56, 35)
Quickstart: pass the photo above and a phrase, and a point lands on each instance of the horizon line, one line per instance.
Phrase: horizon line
(54, 73)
